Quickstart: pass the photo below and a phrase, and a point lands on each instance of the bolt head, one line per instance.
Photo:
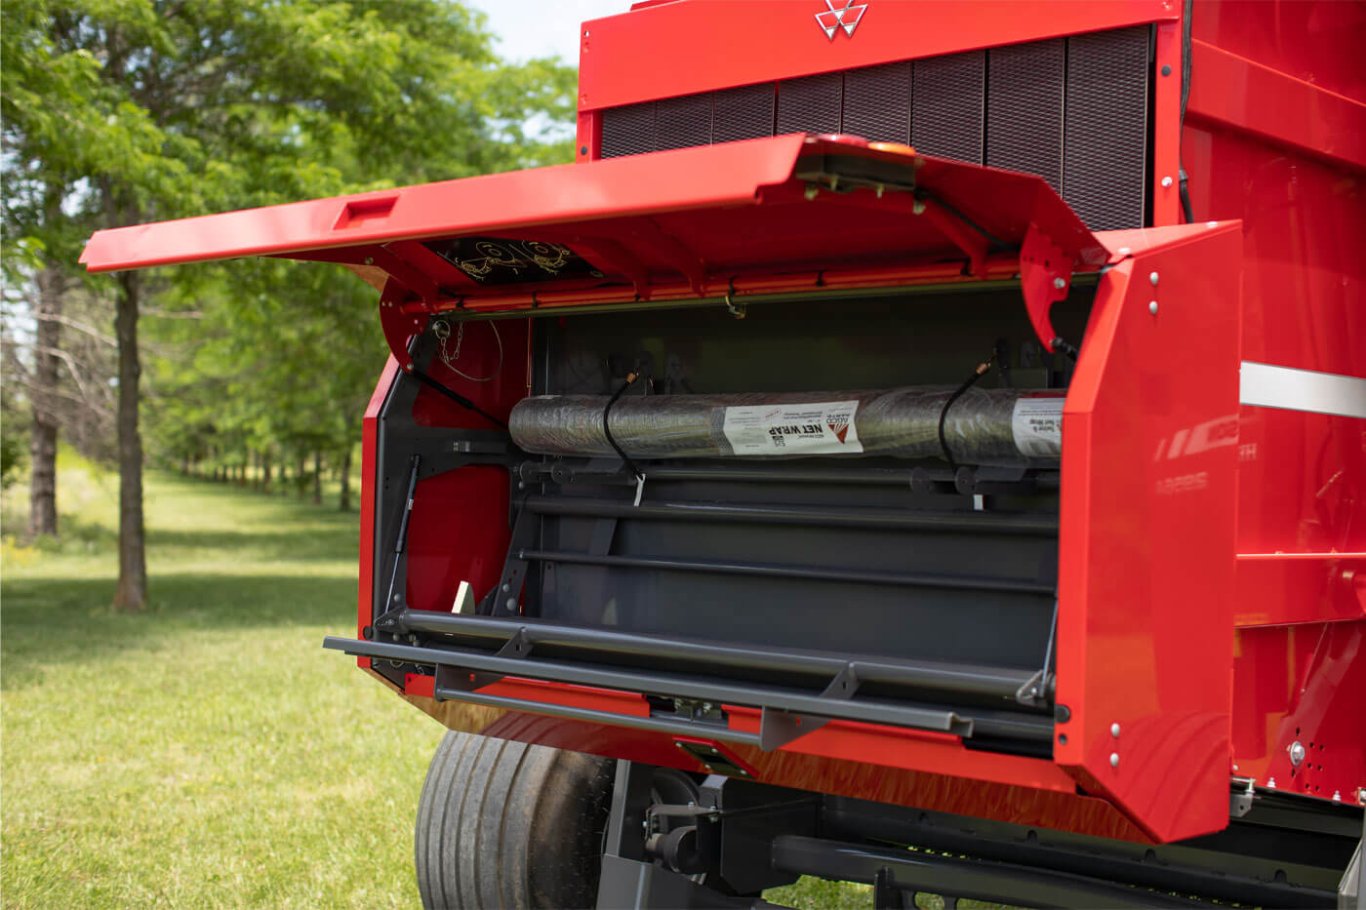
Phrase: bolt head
(1114, 759)
(511, 604)
(1114, 730)
(1152, 277)
(1297, 752)
(506, 588)
(1166, 183)
(1152, 307)
(1060, 283)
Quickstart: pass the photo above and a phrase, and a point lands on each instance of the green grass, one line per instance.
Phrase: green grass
(207, 752)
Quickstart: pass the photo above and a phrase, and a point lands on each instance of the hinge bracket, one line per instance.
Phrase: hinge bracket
(1045, 278)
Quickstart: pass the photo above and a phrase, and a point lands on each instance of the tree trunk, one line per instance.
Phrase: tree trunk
(317, 478)
(42, 514)
(265, 470)
(345, 498)
(131, 596)
(301, 475)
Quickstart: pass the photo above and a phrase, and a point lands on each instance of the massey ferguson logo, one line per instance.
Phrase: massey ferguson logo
(839, 425)
(840, 14)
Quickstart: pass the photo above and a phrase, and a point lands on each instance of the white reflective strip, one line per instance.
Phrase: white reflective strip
(1266, 386)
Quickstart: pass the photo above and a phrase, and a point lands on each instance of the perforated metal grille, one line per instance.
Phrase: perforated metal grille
(877, 103)
(811, 105)
(628, 130)
(1105, 136)
(946, 112)
(683, 122)
(1072, 110)
(742, 113)
(1024, 108)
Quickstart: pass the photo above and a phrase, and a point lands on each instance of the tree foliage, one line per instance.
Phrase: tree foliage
(124, 111)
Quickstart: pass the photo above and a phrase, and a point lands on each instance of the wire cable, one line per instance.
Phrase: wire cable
(982, 369)
(607, 427)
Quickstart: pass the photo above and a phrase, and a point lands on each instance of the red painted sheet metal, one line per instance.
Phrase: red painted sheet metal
(703, 218)
(696, 46)
(1304, 684)
(1146, 538)
(688, 178)
(1231, 90)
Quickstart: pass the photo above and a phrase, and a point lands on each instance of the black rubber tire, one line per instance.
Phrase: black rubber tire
(504, 824)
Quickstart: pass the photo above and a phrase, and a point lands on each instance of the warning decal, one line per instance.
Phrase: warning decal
(1037, 426)
(815, 428)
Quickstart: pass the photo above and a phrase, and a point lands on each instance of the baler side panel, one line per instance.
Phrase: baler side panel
(1274, 136)
(1146, 538)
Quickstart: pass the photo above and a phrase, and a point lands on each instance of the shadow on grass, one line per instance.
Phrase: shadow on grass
(59, 621)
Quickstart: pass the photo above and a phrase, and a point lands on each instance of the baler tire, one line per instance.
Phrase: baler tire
(506, 824)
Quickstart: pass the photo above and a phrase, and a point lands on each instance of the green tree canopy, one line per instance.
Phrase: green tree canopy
(124, 111)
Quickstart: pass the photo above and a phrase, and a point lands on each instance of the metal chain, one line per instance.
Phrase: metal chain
(442, 330)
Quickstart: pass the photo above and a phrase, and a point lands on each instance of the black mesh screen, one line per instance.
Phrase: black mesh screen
(1072, 110)
(1024, 108)
(628, 130)
(877, 103)
(946, 112)
(811, 105)
(1105, 136)
(742, 113)
(683, 122)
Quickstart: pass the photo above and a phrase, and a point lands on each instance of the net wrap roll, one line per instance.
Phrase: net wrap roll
(999, 427)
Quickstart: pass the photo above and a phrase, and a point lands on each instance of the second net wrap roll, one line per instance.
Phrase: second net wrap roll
(982, 427)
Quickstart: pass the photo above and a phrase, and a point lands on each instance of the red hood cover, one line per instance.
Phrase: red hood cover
(690, 222)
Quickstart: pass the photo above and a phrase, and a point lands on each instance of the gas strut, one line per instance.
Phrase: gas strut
(401, 538)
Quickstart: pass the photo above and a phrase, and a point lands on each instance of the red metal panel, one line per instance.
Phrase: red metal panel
(1230, 90)
(1275, 137)
(696, 46)
(1163, 185)
(1304, 684)
(1315, 41)
(1277, 589)
(369, 464)
(1146, 536)
(687, 178)
(778, 209)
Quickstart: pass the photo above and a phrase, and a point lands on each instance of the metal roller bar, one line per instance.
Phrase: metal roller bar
(946, 678)
(819, 516)
(766, 570)
(995, 724)
(560, 472)
(589, 715)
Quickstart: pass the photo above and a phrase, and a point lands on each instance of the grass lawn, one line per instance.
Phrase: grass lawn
(208, 752)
